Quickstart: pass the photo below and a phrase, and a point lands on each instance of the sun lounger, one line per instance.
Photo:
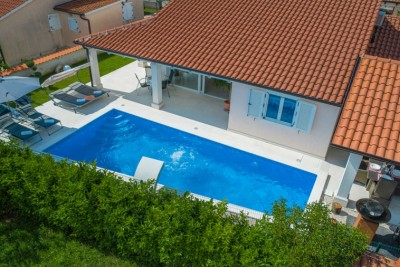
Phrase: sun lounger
(148, 169)
(70, 97)
(13, 128)
(88, 90)
(38, 118)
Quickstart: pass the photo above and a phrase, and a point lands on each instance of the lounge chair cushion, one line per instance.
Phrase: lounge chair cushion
(46, 122)
(87, 90)
(19, 131)
(77, 101)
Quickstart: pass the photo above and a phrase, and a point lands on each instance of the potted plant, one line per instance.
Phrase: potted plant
(226, 85)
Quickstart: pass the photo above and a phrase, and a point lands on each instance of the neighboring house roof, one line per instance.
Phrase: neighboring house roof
(302, 47)
(387, 39)
(81, 7)
(42, 60)
(370, 119)
(6, 6)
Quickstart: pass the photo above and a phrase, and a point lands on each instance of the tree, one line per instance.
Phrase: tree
(311, 237)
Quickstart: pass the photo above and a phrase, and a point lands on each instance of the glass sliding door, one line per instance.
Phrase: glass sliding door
(211, 88)
(186, 79)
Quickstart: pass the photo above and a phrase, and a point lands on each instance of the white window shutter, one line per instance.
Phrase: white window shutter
(54, 22)
(73, 24)
(127, 11)
(305, 116)
(256, 103)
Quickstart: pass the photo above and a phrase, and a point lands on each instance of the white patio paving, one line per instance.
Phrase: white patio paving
(203, 116)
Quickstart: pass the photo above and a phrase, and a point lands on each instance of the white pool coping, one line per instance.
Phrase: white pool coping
(122, 84)
(235, 140)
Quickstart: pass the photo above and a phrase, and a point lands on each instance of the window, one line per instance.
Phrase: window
(73, 24)
(54, 22)
(281, 109)
(127, 11)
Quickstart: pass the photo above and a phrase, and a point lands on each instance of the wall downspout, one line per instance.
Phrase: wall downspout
(88, 22)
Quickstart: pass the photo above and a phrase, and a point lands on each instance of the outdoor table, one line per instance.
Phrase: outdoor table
(371, 214)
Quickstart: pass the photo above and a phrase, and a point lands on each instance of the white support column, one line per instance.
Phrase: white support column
(350, 172)
(156, 86)
(94, 68)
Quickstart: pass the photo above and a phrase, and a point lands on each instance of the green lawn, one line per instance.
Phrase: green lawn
(149, 11)
(107, 64)
(24, 244)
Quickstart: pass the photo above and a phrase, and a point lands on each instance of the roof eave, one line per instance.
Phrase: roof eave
(103, 7)
(365, 154)
(68, 11)
(85, 13)
(208, 74)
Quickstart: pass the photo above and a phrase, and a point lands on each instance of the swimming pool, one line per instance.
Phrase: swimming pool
(117, 141)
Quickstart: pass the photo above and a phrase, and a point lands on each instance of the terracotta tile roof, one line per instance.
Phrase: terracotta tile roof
(370, 119)
(387, 39)
(370, 259)
(308, 48)
(83, 6)
(6, 6)
(42, 60)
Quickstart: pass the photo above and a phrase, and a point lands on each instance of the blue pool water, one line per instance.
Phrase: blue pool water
(117, 141)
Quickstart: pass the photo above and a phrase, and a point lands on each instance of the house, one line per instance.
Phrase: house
(296, 69)
(32, 28)
(369, 124)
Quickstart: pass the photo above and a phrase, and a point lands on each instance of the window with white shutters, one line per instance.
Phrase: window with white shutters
(305, 116)
(256, 102)
(73, 24)
(281, 109)
(127, 11)
(54, 22)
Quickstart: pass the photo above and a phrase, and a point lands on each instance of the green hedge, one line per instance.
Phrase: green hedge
(162, 228)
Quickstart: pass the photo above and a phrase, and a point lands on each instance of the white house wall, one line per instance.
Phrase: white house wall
(316, 142)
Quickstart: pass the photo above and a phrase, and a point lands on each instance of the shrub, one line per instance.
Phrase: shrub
(30, 63)
(37, 74)
(163, 228)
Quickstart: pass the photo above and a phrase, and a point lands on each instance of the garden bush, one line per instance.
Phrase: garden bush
(164, 228)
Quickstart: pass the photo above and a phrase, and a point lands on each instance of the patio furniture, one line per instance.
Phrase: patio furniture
(170, 77)
(374, 168)
(370, 214)
(142, 83)
(37, 118)
(71, 98)
(148, 72)
(361, 175)
(164, 86)
(23, 101)
(383, 189)
(88, 90)
(11, 127)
